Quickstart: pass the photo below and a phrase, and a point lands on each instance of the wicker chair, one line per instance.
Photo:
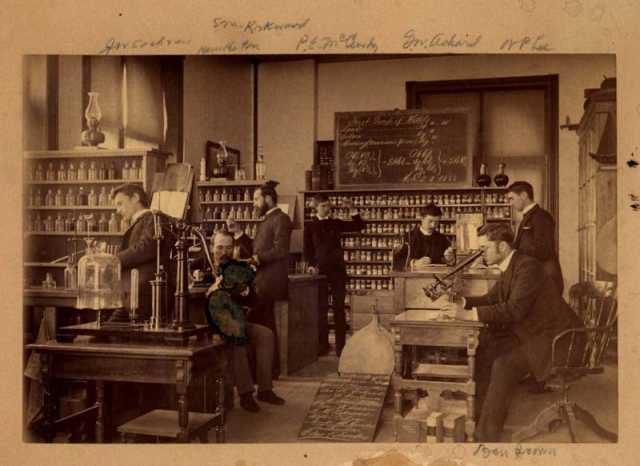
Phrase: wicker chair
(596, 304)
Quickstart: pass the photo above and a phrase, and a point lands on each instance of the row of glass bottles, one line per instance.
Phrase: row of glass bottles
(80, 224)
(226, 195)
(239, 213)
(362, 269)
(86, 171)
(412, 213)
(368, 256)
(405, 200)
(249, 229)
(371, 242)
(70, 198)
(369, 284)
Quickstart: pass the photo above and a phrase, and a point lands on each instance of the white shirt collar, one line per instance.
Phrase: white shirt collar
(504, 265)
(528, 208)
(424, 232)
(271, 210)
(238, 235)
(138, 214)
(322, 218)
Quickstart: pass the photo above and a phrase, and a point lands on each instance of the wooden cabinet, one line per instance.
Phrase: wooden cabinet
(597, 184)
(67, 197)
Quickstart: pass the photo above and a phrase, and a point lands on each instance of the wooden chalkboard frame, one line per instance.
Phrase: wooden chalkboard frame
(471, 140)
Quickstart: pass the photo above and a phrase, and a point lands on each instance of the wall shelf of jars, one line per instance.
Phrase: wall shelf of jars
(67, 198)
(218, 201)
(390, 214)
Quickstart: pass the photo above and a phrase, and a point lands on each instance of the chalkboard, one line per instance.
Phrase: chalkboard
(412, 148)
(346, 408)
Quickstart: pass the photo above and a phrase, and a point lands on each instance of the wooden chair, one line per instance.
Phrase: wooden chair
(596, 304)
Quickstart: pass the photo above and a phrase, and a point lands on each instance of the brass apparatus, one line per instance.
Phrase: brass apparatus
(446, 283)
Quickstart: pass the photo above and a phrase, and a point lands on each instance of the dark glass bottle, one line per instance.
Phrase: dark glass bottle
(483, 179)
(501, 179)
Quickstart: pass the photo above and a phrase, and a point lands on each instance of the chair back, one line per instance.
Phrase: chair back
(596, 305)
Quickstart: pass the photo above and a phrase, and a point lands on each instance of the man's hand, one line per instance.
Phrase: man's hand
(450, 256)
(456, 311)
(215, 286)
(312, 270)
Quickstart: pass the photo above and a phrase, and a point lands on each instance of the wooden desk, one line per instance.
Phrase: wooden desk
(417, 328)
(138, 363)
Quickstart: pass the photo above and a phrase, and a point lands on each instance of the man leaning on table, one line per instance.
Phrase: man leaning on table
(524, 312)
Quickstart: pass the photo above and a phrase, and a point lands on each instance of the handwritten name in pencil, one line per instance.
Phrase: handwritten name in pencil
(112, 45)
(253, 26)
(350, 41)
(229, 47)
(411, 41)
(527, 43)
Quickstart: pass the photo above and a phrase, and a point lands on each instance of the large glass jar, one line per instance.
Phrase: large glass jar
(99, 281)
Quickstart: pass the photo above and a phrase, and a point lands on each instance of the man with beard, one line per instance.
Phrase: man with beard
(524, 313)
(227, 299)
(271, 255)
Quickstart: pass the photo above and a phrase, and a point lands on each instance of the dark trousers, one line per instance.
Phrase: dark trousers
(262, 314)
(337, 280)
(501, 363)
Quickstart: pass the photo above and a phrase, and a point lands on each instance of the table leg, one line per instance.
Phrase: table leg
(221, 427)
(100, 403)
(397, 348)
(50, 398)
(182, 386)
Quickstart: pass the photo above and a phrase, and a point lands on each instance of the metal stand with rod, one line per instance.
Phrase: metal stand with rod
(441, 286)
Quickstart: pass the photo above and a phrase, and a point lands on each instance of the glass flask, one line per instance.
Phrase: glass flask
(99, 278)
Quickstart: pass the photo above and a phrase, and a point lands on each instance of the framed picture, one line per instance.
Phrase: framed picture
(222, 160)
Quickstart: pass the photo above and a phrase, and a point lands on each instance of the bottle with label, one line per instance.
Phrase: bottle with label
(125, 171)
(113, 223)
(260, 165)
(208, 215)
(215, 215)
(81, 200)
(49, 199)
(82, 171)
(39, 175)
(103, 197)
(216, 196)
(59, 199)
(134, 171)
(59, 224)
(37, 223)
(71, 172)
(208, 196)
(80, 225)
(102, 172)
(92, 173)
(51, 173)
(111, 173)
(247, 195)
(232, 213)
(224, 197)
(69, 198)
(70, 276)
(103, 226)
(62, 172)
(92, 225)
(68, 223)
(48, 224)
(92, 198)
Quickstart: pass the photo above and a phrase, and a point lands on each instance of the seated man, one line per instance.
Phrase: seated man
(524, 312)
(426, 245)
(225, 312)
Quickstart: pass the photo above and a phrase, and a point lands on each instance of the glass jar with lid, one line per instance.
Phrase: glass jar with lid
(99, 278)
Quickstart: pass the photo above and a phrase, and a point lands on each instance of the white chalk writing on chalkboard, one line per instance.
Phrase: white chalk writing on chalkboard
(409, 146)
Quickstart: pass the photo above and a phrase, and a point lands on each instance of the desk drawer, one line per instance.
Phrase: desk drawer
(440, 336)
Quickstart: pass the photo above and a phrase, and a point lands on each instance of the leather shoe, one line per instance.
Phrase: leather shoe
(269, 397)
(248, 403)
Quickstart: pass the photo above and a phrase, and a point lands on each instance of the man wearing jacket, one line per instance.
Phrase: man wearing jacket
(139, 247)
(323, 252)
(271, 255)
(535, 236)
(524, 313)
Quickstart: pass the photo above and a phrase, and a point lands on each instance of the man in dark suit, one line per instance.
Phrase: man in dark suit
(139, 249)
(271, 255)
(535, 235)
(323, 252)
(524, 312)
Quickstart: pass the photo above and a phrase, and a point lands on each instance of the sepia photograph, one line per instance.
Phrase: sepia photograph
(281, 248)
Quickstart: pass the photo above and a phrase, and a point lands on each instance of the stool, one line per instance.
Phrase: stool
(163, 423)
